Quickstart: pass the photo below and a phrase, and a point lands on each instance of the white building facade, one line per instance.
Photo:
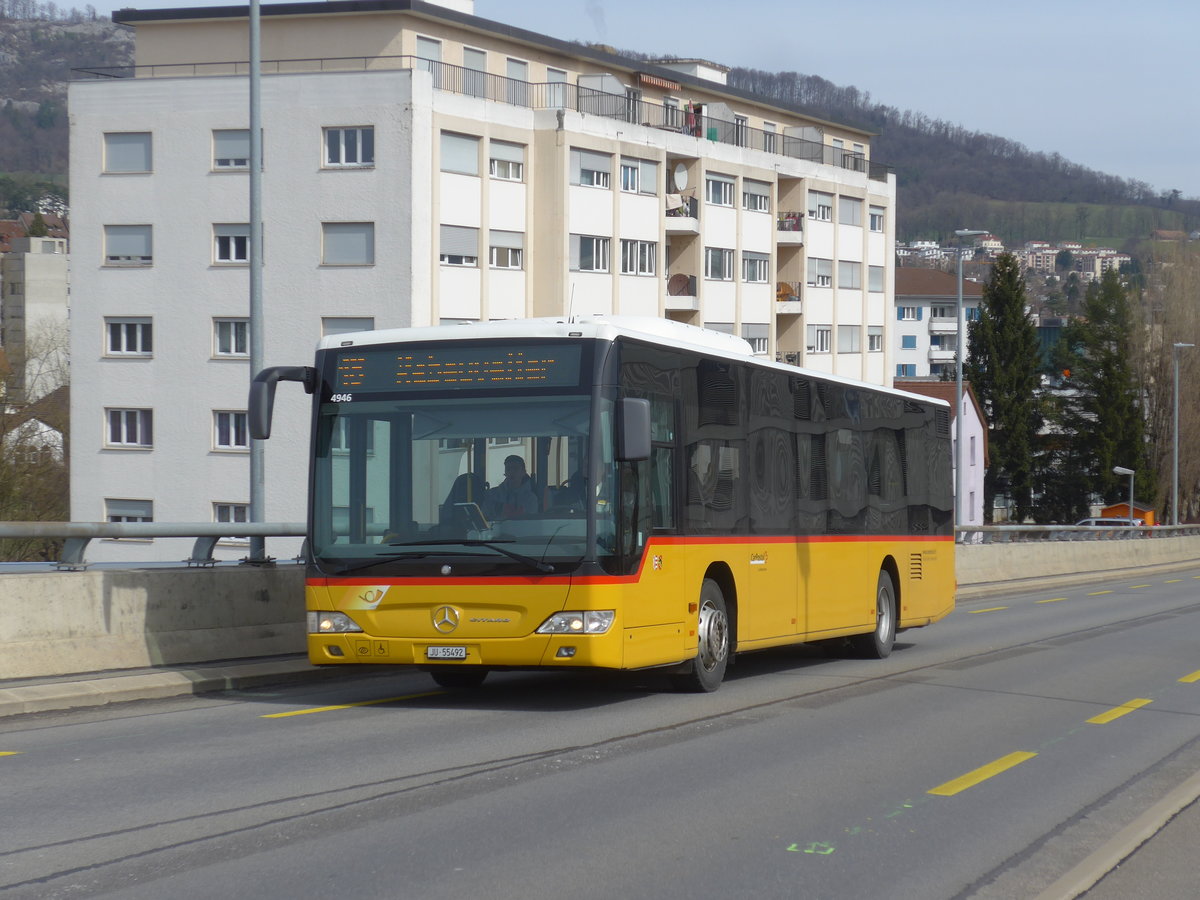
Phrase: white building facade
(927, 327)
(423, 166)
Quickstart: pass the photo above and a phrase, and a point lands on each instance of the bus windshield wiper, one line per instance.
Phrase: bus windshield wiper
(491, 545)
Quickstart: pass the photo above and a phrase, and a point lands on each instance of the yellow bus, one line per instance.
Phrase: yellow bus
(612, 493)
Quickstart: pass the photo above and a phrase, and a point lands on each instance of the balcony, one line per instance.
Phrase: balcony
(787, 298)
(939, 355)
(681, 292)
(683, 215)
(789, 229)
(531, 95)
(943, 326)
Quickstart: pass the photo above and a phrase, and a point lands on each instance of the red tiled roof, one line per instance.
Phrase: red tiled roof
(917, 281)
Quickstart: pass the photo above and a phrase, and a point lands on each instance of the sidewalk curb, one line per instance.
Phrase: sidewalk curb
(1084, 876)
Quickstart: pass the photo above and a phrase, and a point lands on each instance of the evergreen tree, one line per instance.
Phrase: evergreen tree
(1002, 365)
(1106, 416)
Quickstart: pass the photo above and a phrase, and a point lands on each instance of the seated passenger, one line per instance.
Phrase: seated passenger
(513, 496)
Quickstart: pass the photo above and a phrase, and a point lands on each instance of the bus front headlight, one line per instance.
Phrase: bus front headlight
(592, 621)
(330, 623)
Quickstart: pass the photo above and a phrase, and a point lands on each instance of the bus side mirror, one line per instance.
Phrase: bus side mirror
(633, 429)
(262, 395)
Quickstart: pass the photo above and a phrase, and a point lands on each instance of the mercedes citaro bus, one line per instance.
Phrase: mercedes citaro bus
(611, 493)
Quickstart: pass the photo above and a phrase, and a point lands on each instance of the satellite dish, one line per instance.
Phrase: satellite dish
(680, 177)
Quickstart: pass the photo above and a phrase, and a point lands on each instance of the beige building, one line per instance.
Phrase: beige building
(424, 165)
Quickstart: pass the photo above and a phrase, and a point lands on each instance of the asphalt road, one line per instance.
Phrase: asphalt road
(990, 756)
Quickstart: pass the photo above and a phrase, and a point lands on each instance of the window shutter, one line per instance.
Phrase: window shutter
(508, 152)
(920, 310)
(575, 253)
(458, 240)
(514, 240)
(649, 177)
(127, 240)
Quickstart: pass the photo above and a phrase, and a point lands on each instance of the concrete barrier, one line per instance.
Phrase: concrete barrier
(59, 623)
(63, 623)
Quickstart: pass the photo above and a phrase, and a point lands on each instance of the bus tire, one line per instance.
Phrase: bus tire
(463, 677)
(706, 672)
(878, 644)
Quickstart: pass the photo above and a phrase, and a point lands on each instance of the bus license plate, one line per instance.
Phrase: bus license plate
(445, 652)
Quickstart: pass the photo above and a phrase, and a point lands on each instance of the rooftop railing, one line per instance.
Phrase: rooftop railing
(532, 95)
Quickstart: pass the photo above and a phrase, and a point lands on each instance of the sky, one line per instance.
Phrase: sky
(1108, 85)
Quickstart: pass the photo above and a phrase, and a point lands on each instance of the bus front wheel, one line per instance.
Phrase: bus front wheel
(706, 672)
(878, 644)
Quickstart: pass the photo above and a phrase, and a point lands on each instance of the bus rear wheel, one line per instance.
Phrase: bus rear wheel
(459, 676)
(706, 672)
(878, 644)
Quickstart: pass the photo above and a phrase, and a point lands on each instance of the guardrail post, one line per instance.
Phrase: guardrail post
(72, 554)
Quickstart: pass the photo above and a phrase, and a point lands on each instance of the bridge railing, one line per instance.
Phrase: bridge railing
(1002, 534)
(77, 535)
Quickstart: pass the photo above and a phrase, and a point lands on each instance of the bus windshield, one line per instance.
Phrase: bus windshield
(480, 484)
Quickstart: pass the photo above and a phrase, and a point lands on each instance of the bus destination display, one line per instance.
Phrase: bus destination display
(414, 368)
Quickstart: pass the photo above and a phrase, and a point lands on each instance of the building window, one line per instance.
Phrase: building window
(849, 275)
(589, 253)
(909, 313)
(874, 338)
(906, 370)
(876, 218)
(506, 249)
(429, 58)
(506, 162)
(230, 431)
(757, 335)
(556, 87)
(672, 118)
(459, 246)
(718, 190)
(875, 278)
(849, 339)
(630, 177)
(942, 312)
(129, 428)
(350, 147)
(820, 206)
(475, 74)
(590, 169)
(348, 243)
(850, 211)
(908, 342)
(638, 257)
(819, 338)
(741, 130)
(755, 267)
(517, 85)
(231, 148)
(346, 324)
(231, 244)
(127, 152)
(460, 153)
(769, 131)
(820, 272)
(232, 514)
(718, 264)
(128, 510)
(128, 245)
(128, 337)
(639, 176)
(756, 196)
(231, 337)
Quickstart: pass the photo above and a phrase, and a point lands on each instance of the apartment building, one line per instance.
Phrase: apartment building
(422, 165)
(927, 334)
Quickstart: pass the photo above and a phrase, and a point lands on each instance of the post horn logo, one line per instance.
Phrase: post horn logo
(445, 619)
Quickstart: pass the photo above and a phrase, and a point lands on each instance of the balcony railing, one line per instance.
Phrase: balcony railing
(789, 221)
(788, 291)
(532, 95)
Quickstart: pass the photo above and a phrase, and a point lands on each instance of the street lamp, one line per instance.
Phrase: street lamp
(958, 380)
(1121, 470)
(1175, 348)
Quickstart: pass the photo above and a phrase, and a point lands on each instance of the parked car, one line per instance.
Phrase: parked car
(1110, 522)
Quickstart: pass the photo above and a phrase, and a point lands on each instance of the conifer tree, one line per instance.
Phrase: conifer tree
(1002, 366)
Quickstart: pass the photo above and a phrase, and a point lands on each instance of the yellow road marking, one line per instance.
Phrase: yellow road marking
(321, 709)
(1173, 581)
(1117, 711)
(989, 609)
(10, 752)
(983, 773)
(1098, 593)
(1052, 600)
(1189, 679)
(1132, 586)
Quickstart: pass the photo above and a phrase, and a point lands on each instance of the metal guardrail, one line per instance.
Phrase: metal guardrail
(77, 536)
(1011, 534)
